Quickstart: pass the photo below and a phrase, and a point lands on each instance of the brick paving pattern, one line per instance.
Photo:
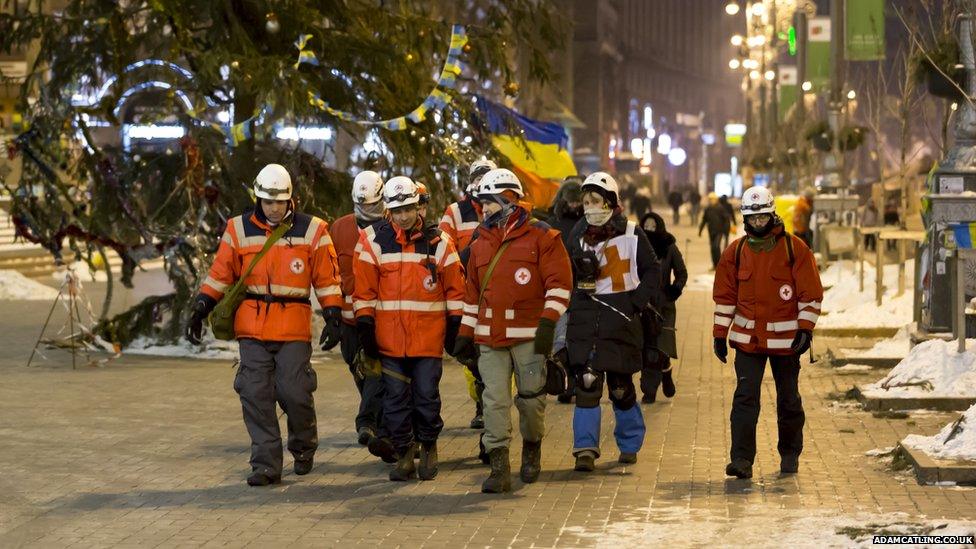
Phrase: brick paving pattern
(153, 452)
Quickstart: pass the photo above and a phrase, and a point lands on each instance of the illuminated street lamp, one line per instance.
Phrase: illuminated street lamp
(770, 75)
(732, 7)
(754, 74)
(736, 40)
(852, 95)
(734, 64)
(807, 86)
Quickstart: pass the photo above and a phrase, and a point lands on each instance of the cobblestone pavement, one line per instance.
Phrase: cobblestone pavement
(146, 452)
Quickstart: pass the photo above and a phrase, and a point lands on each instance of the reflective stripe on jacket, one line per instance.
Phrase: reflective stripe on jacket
(345, 235)
(460, 220)
(761, 305)
(409, 286)
(301, 259)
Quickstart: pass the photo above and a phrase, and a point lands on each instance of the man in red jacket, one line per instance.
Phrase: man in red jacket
(367, 198)
(408, 300)
(518, 285)
(767, 297)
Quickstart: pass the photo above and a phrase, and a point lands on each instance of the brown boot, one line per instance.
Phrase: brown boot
(500, 479)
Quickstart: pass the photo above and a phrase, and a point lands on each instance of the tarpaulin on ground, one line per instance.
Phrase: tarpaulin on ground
(541, 161)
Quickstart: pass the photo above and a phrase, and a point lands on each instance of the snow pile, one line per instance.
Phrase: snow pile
(83, 271)
(897, 346)
(845, 306)
(14, 285)
(932, 369)
(956, 440)
(854, 369)
(210, 348)
(794, 528)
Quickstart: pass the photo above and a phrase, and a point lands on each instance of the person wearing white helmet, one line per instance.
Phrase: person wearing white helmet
(767, 295)
(273, 323)
(460, 221)
(517, 287)
(408, 299)
(369, 208)
(617, 275)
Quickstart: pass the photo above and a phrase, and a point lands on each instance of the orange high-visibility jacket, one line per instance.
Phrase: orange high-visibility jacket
(345, 235)
(301, 259)
(531, 280)
(409, 285)
(762, 303)
(460, 220)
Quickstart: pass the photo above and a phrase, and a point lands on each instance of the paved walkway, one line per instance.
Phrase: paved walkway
(147, 452)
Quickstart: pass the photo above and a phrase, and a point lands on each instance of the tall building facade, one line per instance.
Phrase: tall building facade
(652, 77)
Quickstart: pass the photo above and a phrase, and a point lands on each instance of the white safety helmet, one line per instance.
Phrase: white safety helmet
(606, 184)
(757, 200)
(367, 188)
(477, 170)
(400, 191)
(273, 183)
(497, 181)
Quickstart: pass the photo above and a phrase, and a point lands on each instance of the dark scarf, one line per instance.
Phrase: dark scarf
(660, 238)
(616, 226)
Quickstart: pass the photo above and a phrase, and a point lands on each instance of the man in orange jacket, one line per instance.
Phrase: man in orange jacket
(273, 325)
(367, 197)
(767, 297)
(518, 286)
(408, 299)
(460, 221)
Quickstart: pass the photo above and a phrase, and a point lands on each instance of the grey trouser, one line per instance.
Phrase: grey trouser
(277, 371)
(497, 366)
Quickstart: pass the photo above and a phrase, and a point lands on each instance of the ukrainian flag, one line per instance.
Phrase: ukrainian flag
(541, 161)
(964, 234)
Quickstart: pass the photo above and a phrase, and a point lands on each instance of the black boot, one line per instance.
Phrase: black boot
(428, 461)
(303, 466)
(531, 461)
(405, 467)
(739, 468)
(261, 479)
(364, 434)
(478, 421)
(382, 448)
(500, 479)
(585, 461)
(667, 384)
(789, 465)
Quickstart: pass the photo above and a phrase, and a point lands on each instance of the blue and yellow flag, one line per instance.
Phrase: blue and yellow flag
(541, 161)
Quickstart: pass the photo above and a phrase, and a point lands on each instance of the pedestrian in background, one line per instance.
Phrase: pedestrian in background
(675, 201)
(694, 200)
(716, 218)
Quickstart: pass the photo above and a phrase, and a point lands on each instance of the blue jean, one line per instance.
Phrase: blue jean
(412, 405)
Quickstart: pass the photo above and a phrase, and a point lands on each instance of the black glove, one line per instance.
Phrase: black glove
(545, 335)
(450, 335)
(465, 350)
(801, 342)
(721, 349)
(366, 330)
(202, 305)
(332, 331)
(672, 292)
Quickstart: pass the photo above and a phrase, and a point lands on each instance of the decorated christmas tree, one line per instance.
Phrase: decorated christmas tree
(147, 120)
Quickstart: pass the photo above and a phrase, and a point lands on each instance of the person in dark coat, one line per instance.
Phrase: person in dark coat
(660, 342)
(675, 200)
(640, 205)
(733, 221)
(717, 219)
(694, 200)
(616, 275)
(566, 212)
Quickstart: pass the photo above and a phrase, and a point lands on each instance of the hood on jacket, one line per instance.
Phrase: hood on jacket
(660, 238)
(570, 191)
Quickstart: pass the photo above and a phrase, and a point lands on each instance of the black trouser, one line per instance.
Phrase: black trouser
(715, 242)
(674, 211)
(277, 371)
(412, 405)
(371, 389)
(653, 370)
(749, 370)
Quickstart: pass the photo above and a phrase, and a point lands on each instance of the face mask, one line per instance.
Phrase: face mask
(758, 232)
(597, 216)
(370, 212)
(499, 218)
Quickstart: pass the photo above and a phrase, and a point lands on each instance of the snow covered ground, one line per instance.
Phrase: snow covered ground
(14, 285)
(932, 369)
(755, 527)
(896, 346)
(845, 306)
(701, 282)
(956, 440)
(210, 348)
